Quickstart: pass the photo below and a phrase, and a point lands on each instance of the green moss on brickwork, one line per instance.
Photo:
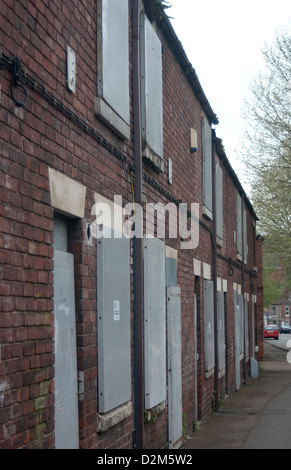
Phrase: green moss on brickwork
(39, 403)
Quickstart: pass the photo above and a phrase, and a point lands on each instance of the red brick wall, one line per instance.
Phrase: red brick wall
(34, 138)
(39, 136)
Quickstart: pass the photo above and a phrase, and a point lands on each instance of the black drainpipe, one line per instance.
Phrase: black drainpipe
(215, 140)
(243, 285)
(137, 242)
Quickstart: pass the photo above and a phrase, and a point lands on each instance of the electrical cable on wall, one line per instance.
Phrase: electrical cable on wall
(16, 77)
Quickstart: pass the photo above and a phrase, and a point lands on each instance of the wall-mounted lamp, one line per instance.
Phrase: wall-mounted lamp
(193, 140)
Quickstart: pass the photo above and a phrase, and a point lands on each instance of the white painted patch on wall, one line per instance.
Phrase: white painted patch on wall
(65, 308)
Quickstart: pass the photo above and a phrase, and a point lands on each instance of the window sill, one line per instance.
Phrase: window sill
(206, 212)
(221, 373)
(112, 418)
(104, 112)
(150, 416)
(208, 374)
(150, 157)
(219, 241)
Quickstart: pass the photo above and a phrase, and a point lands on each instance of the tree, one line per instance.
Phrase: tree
(273, 288)
(267, 150)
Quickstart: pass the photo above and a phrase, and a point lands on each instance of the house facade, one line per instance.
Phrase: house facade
(279, 313)
(130, 276)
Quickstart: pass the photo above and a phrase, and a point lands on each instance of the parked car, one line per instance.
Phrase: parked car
(285, 329)
(271, 331)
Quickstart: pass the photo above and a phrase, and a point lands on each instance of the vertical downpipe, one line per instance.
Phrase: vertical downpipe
(137, 242)
(214, 142)
(243, 285)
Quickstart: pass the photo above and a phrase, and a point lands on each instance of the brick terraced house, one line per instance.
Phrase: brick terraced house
(130, 275)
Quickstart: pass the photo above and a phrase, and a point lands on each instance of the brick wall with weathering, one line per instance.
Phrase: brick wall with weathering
(33, 139)
(57, 136)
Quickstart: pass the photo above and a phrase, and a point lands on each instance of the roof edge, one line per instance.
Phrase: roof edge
(189, 71)
(222, 155)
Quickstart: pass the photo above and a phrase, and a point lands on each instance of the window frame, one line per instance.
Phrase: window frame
(241, 223)
(207, 168)
(151, 66)
(111, 106)
(208, 314)
(219, 203)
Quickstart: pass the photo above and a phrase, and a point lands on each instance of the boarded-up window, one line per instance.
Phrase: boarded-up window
(237, 338)
(238, 224)
(154, 322)
(241, 228)
(115, 55)
(243, 308)
(246, 316)
(112, 103)
(246, 248)
(242, 322)
(207, 165)
(113, 298)
(171, 272)
(221, 330)
(208, 325)
(151, 89)
(219, 203)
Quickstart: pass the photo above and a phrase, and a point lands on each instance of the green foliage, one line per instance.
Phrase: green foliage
(273, 289)
(184, 425)
(267, 155)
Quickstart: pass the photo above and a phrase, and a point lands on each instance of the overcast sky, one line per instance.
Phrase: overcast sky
(223, 41)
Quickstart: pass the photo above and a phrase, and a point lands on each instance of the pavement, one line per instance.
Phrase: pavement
(258, 416)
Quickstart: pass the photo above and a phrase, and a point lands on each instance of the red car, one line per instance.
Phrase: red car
(271, 331)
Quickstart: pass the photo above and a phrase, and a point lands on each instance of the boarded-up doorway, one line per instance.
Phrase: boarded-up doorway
(66, 386)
